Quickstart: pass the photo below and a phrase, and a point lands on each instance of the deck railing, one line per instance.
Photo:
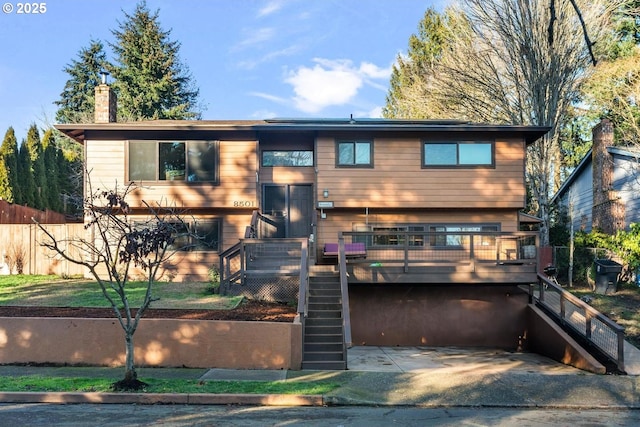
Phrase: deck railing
(600, 331)
(443, 257)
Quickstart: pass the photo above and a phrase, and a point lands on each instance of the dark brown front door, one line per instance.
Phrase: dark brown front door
(290, 207)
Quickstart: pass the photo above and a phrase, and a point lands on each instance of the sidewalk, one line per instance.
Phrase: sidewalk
(384, 376)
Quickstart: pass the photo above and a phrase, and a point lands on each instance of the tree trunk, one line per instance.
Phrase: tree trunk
(130, 368)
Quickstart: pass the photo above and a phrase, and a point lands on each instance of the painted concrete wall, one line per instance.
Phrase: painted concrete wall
(158, 343)
(438, 315)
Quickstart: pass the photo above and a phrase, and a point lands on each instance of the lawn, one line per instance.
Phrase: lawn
(82, 384)
(623, 307)
(52, 291)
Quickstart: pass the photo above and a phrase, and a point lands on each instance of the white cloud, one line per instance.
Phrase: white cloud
(271, 7)
(255, 37)
(331, 82)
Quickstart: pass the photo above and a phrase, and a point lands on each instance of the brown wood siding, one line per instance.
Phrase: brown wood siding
(399, 181)
(192, 265)
(107, 163)
(287, 175)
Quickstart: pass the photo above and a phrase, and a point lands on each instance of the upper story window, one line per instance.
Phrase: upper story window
(287, 158)
(458, 154)
(189, 161)
(354, 154)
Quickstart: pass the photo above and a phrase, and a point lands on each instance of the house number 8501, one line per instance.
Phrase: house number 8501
(243, 203)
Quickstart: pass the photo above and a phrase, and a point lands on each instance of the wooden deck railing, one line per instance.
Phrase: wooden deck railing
(444, 257)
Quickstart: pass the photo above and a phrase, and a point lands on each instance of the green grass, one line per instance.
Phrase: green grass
(52, 291)
(62, 384)
(623, 307)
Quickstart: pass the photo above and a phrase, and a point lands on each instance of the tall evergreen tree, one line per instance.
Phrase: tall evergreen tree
(150, 80)
(36, 155)
(9, 188)
(76, 102)
(51, 153)
(25, 172)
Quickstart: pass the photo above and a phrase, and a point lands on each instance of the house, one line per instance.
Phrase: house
(603, 191)
(429, 212)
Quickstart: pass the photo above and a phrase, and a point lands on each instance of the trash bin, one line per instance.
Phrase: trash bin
(607, 272)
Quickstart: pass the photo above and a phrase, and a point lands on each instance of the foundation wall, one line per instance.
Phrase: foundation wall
(158, 343)
(438, 315)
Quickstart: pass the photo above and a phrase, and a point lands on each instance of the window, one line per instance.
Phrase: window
(200, 235)
(354, 154)
(455, 240)
(458, 154)
(390, 235)
(190, 161)
(287, 158)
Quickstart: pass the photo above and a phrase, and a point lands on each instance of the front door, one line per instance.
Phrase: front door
(290, 208)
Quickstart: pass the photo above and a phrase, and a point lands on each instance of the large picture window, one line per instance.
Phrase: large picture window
(188, 161)
(354, 154)
(458, 154)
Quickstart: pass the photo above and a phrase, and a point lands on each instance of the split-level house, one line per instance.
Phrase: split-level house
(418, 222)
(603, 190)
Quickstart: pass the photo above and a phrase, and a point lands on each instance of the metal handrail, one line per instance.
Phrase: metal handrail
(590, 314)
(344, 288)
(303, 295)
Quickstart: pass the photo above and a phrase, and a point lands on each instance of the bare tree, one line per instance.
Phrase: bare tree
(505, 68)
(115, 245)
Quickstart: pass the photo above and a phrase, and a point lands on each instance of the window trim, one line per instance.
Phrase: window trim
(157, 180)
(354, 142)
(459, 165)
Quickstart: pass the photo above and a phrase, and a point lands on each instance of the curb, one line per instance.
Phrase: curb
(162, 398)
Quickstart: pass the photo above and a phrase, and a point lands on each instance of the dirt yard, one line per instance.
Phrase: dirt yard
(248, 310)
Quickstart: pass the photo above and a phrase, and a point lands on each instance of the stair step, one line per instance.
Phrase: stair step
(325, 306)
(323, 330)
(323, 346)
(323, 338)
(327, 365)
(316, 321)
(325, 300)
(324, 314)
(323, 356)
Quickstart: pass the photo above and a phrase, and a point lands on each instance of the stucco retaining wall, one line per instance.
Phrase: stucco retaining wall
(158, 343)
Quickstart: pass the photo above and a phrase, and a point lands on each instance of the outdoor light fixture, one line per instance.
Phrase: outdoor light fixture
(325, 193)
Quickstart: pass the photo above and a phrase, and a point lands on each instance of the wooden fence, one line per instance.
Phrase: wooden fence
(18, 214)
(25, 241)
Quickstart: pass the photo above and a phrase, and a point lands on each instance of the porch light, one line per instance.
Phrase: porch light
(325, 193)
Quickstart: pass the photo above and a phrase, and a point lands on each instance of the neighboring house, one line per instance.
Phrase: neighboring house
(604, 190)
(429, 211)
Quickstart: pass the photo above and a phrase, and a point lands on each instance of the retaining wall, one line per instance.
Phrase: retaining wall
(158, 343)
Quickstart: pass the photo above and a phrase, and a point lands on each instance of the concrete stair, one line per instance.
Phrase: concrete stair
(323, 332)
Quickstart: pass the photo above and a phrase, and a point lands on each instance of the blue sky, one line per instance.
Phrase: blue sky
(251, 59)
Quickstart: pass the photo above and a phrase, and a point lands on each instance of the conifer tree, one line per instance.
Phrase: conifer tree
(76, 102)
(9, 188)
(53, 200)
(150, 81)
(36, 155)
(25, 172)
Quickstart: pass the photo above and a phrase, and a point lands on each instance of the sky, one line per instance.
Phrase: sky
(251, 59)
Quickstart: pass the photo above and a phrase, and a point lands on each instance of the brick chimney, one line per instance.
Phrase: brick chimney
(105, 102)
(608, 211)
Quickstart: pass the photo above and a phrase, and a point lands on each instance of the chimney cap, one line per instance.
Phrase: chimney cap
(104, 73)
